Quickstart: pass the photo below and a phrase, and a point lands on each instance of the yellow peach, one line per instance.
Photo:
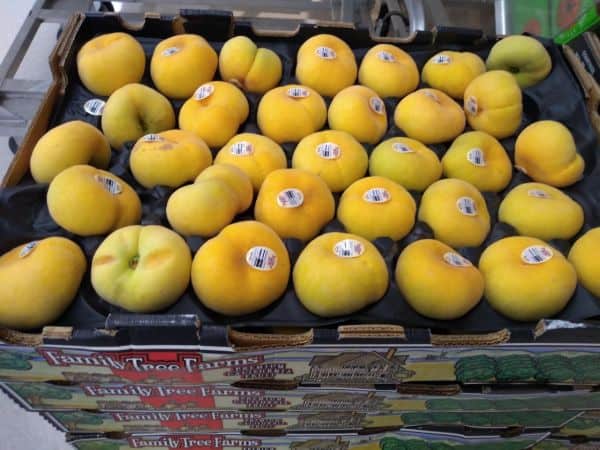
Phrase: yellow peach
(235, 178)
(294, 203)
(255, 155)
(326, 64)
(142, 269)
(214, 112)
(203, 208)
(451, 72)
(133, 111)
(243, 269)
(110, 61)
(429, 116)
(493, 103)
(480, 159)
(546, 152)
(407, 162)
(541, 211)
(338, 274)
(89, 201)
(253, 69)
(170, 158)
(335, 156)
(526, 279)
(389, 71)
(288, 113)
(181, 63)
(425, 271)
(375, 207)
(584, 257)
(67, 145)
(456, 212)
(38, 281)
(358, 110)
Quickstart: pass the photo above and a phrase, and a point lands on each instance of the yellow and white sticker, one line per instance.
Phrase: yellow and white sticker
(204, 91)
(241, 148)
(401, 148)
(377, 195)
(476, 157)
(261, 258)
(536, 254)
(28, 248)
(111, 185)
(298, 92)
(466, 206)
(456, 260)
(348, 248)
(290, 198)
(329, 150)
(325, 52)
(94, 107)
(170, 51)
(385, 56)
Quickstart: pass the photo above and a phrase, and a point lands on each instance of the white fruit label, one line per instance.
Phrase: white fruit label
(325, 52)
(456, 260)
(471, 105)
(290, 198)
(466, 205)
(386, 56)
(112, 186)
(261, 258)
(538, 193)
(329, 150)
(204, 91)
(28, 248)
(441, 59)
(242, 148)
(298, 92)
(377, 105)
(94, 107)
(536, 254)
(401, 148)
(377, 195)
(152, 137)
(348, 248)
(170, 51)
(475, 156)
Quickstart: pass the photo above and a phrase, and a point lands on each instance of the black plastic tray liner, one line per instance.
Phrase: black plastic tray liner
(24, 215)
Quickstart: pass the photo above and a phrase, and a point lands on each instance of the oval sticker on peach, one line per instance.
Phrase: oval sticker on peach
(290, 198)
(261, 258)
(28, 248)
(348, 248)
(377, 195)
(536, 254)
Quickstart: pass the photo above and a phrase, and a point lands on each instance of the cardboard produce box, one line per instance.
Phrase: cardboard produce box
(134, 397)
(386, 346)
(388, 441)
(261, 422)
(310, 366)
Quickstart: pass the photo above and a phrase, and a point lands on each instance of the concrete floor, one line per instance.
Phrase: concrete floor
(20, 430)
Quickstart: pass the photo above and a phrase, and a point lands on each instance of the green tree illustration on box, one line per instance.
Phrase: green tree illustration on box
(72, 420)
(34, 393)
(98, 445)
(392, 443)
(545, 368)
(14, 361)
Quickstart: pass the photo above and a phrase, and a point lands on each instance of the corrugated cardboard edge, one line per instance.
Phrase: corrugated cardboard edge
(244, 341)
(588, 84)
(371, 331)
(454, 340)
